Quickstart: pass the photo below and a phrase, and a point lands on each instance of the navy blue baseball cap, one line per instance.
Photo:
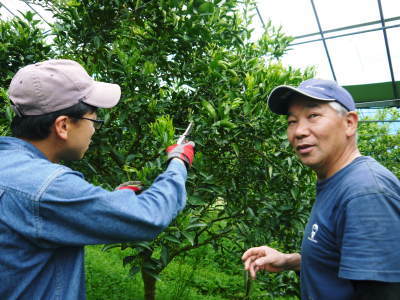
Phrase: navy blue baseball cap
(318, 89)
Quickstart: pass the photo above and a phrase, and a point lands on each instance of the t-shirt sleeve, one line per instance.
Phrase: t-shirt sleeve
(74, 212)
(371, 238)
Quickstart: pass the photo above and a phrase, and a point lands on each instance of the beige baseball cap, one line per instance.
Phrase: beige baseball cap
(57, 84)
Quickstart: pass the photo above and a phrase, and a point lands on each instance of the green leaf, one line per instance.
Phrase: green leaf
(111, 246)
(172, 239)
(224, 123)
(210, 109)
(206, 8)
(195, 200)
(91, 168)
(235, 149)
(189, 236)
(144, 245)
(97, 42)
(270, 171)
(196, 225)
(251, 212)
(293, 193)
(164, 255)
(149, 68)
(9, 113)
(138, 4)
(134, 270)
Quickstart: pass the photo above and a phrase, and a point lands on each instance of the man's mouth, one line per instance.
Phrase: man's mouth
(304, 148)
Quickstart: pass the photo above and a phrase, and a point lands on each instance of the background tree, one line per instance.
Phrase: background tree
(22, 42)
(381, 140)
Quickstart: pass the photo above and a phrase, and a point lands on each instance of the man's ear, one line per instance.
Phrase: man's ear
(351, 123)
(61, 127)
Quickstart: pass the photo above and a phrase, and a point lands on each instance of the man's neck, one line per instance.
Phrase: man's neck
(47, 147)
(342, 161)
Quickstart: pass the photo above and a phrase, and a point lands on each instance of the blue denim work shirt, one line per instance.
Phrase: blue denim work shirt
(48, 212)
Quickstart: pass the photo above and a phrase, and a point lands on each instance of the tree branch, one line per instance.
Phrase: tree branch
(205, 242)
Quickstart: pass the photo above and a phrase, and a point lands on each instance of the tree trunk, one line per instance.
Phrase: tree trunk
(148, 280)
(149, 286)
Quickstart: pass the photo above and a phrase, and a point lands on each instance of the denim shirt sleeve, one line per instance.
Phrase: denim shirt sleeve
(74, 212)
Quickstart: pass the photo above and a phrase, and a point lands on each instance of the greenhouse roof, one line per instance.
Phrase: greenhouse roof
(355, 42)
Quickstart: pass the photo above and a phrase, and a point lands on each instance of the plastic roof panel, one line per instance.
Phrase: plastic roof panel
(299, 12)
(353, 32)
(340, 13)
(12, 8)
(359, 59)
(391, 8)
(308, 55)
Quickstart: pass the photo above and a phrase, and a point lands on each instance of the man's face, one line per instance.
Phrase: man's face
(317, 133)
(79, 137)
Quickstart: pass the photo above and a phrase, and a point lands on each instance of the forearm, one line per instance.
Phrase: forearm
(168, 192)
(92, 215)
(293, 262)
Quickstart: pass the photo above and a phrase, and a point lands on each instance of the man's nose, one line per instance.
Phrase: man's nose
(302, 129)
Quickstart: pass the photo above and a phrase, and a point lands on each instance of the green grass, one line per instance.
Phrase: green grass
(106, 278)
(195, 277)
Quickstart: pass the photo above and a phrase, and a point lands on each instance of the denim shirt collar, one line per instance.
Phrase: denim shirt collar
(12, 143)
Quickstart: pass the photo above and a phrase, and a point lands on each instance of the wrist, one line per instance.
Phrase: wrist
(292, 261)
(178, 159)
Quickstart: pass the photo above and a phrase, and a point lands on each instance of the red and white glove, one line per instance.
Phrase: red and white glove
(184, 151)
(135, 186)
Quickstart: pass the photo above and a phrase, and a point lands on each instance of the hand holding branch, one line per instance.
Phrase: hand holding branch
(269, 259)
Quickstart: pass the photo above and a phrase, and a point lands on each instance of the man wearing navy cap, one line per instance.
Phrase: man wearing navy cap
(350, 248)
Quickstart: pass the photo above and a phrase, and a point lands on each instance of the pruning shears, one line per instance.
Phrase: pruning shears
(185, 134)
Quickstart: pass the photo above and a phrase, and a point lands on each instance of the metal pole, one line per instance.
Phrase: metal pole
(1, 4)
(379, 121)
(323, 40)
(36, 12)
(345, 34)
(348, 27)
(395, 95)
(259, 15)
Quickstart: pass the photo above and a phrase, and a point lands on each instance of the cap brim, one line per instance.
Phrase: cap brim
(278, 100)
(103, 95)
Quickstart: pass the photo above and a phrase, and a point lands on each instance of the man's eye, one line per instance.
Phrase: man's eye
(290, 122)
(313, 116)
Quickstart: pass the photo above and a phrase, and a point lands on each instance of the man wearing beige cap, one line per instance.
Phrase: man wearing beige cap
(48, 212)
(350, 244)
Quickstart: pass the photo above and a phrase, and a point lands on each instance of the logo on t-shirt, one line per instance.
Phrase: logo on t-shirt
(313, 233)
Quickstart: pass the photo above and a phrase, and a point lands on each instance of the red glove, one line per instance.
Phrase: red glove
(135, 186)
(183, 151)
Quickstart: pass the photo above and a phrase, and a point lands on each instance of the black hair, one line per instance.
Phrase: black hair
(39, 127)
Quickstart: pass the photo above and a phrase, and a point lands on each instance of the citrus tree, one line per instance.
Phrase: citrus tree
(22, 42)
(179, 61)
(381, 140)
